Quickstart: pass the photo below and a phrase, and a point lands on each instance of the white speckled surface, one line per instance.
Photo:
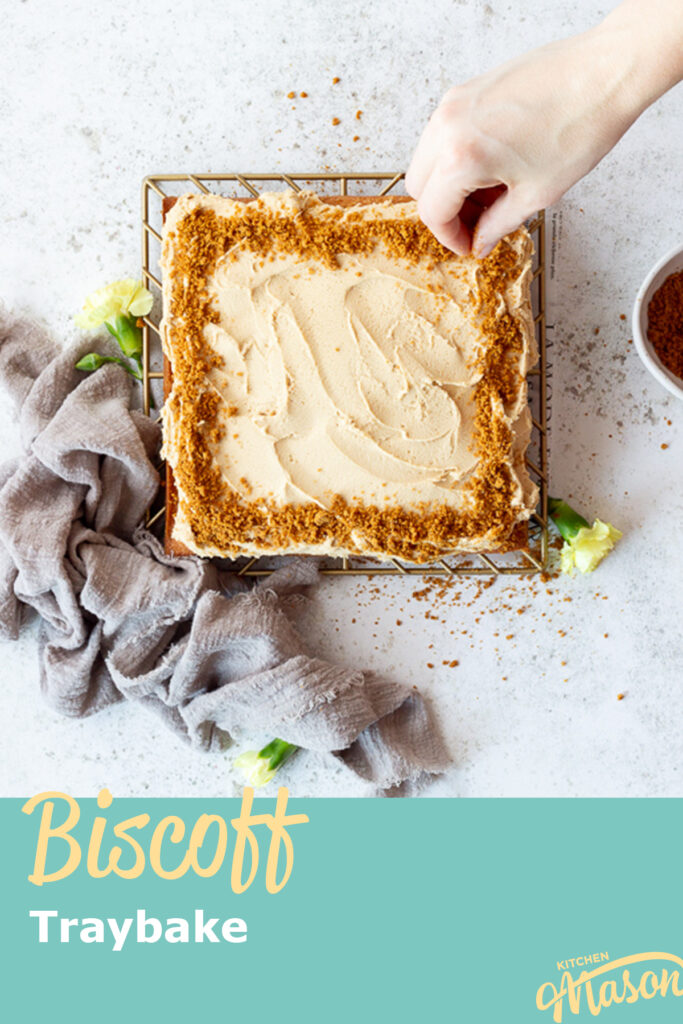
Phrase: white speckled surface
(98, 95)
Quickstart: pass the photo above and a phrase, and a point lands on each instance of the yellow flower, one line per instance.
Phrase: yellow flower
(588, 547)
(256, 769)
(127, 298)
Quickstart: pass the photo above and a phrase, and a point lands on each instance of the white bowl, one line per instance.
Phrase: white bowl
(669, 264)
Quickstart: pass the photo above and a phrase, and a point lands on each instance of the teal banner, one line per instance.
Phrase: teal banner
(369, 910)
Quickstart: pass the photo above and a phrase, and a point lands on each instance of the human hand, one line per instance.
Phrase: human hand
(512, 141)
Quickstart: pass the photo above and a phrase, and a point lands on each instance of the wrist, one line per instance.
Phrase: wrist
(645, 40)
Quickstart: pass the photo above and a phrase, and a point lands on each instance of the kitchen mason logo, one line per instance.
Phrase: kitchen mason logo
(591, 983)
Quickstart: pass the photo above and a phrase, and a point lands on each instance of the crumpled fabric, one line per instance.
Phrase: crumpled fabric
(120, 619)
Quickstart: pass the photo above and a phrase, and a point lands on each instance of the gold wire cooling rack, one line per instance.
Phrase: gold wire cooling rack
(533, 559)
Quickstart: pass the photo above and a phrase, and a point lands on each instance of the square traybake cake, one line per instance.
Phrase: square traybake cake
(339, 383)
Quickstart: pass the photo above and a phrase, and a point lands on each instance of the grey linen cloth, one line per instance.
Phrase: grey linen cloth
(121, 619)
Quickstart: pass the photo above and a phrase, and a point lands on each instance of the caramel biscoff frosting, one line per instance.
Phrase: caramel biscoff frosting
(342, 383)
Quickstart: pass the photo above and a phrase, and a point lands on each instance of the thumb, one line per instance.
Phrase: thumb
(506, 215)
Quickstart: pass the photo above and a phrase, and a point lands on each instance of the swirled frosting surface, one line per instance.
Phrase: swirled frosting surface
(354, 380)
